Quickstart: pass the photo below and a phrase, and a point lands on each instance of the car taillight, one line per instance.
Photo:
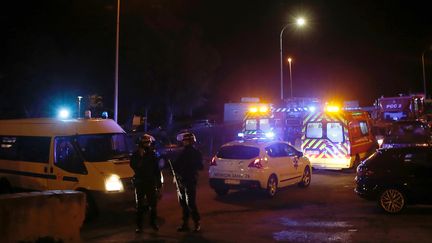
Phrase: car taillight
(256, 163)
(213, 161)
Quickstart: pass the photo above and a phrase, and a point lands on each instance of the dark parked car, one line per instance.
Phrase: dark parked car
(396, 177)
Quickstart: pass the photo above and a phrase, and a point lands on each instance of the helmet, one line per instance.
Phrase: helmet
(188, 136)
(146, 140)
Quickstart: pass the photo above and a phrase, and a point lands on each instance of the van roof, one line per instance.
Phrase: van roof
(57, 127)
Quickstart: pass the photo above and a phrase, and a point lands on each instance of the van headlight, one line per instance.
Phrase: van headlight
(113, 184)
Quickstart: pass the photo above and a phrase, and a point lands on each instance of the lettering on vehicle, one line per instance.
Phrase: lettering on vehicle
(234, 175)
(393, 106)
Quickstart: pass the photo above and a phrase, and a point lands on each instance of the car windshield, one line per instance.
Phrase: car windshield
(237, 152)
(103, 147)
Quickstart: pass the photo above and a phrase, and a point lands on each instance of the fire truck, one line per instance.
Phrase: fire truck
(399, 108)
(391, 109)
(333, 138)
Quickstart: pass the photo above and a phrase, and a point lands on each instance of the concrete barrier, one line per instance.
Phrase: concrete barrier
(55, 216)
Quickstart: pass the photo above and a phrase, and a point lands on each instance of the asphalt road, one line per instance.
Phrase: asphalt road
(327, 211)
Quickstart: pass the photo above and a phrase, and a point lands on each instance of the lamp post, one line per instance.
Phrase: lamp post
(299, 22)
(79, 106)
(116, 63)
(290, 75)
(424, 74)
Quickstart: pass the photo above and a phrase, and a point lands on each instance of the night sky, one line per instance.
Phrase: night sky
(350, 50)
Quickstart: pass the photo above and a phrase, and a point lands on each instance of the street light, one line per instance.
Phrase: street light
(290, 73)
(116, 63)
(79, 106)
(300, 22)
(423, 69)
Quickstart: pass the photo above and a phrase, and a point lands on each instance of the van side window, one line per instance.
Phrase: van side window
(9, 148)
(314, 130)
(25, 148)
(364, 128)
(355, 129)
(66, 156)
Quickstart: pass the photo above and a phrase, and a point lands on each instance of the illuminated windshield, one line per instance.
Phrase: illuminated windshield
(251, 124)
(103, 147)
(264, 124)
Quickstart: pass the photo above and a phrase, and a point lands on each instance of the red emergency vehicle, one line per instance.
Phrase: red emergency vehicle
(336, 139)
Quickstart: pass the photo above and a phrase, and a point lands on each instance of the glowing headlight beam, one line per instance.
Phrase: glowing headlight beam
(113, 184)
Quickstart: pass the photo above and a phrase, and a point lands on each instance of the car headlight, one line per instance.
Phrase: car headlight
(270, 134)
(113, 184)
(380, 141)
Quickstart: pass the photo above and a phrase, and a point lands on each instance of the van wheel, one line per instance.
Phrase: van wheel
(306, 178)
(91, 210)
(272, 186)
(392, 201)
(5, 187)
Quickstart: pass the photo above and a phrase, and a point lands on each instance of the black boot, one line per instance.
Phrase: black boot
(183, 228)
(154, 226)
(138, 222)
(197, 226)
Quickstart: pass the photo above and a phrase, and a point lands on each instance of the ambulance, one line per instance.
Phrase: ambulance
(258, 123)
(333, 138)
(88, 155)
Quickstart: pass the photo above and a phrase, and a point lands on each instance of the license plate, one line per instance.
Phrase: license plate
(232, 182)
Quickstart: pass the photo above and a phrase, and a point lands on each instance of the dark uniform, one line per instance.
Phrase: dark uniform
(147, 180)
(186, 167)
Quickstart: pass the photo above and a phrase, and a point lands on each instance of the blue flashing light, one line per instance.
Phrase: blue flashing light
(312, 108)
(63, 113)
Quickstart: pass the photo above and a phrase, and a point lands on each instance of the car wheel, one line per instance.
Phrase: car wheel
(221, 191)
(392, 201)
(272, 185)
(5, 187)
(306, 178)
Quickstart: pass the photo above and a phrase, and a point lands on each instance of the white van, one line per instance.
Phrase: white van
(89, 155)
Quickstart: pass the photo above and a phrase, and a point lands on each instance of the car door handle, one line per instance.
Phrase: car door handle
(45, 169)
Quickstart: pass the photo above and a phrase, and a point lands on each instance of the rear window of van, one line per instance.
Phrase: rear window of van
(238, 152)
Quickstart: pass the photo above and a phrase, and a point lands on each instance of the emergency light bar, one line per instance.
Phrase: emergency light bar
(262, 109)
(332, 108)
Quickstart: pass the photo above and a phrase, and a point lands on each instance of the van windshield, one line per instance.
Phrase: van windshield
(103, 147)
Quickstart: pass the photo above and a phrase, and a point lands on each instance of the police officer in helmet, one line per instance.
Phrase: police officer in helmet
(147, 181)
(186, 167)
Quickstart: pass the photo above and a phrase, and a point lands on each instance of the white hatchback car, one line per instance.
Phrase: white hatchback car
(256, 164)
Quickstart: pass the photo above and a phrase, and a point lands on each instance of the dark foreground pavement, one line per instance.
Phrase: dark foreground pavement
(327, 211)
